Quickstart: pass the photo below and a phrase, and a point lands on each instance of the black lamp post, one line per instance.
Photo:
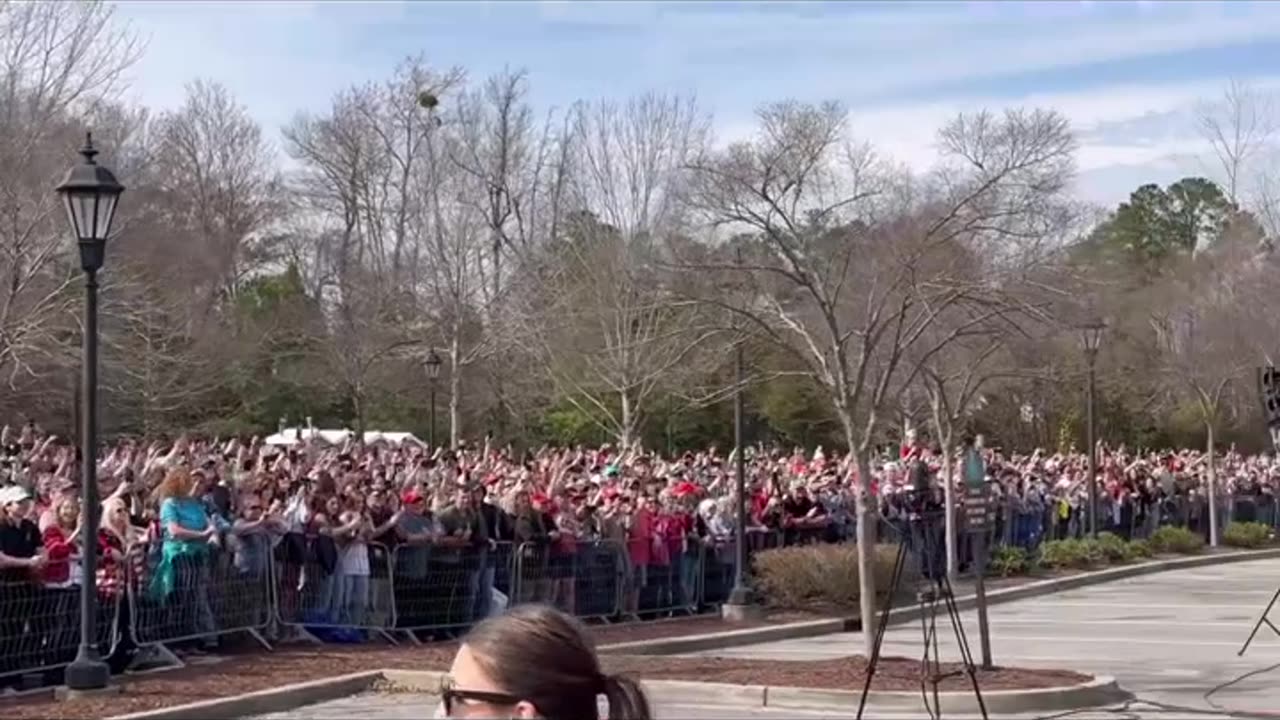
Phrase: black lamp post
(90, 192)
(432, 364)
(1090, 341)
(740, 598)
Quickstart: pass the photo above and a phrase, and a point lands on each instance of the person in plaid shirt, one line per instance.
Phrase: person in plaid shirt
(122, 558)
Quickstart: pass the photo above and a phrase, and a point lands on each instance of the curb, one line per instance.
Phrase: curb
(1097, 692)
(262, 702)
(814, 628)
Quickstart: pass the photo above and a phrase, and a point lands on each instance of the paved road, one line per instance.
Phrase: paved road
(1168, 637)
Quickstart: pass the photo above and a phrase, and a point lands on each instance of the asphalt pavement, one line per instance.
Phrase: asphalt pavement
(1168, 638)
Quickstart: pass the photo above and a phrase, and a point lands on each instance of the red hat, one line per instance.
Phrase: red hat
(410, 497)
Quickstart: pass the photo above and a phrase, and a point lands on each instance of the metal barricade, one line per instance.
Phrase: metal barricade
(40, 626)
(718, 564)
(437, 587)
(198, 592)
(587, 580)
(351, 588)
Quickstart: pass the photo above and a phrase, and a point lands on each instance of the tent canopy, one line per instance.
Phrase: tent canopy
(293, 436)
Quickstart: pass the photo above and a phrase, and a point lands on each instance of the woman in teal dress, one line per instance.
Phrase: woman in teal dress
(181, 582)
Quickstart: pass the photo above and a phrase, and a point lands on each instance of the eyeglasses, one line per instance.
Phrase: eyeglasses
(450, 695)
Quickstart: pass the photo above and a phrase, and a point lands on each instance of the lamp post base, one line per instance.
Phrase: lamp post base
(741, 606)
(87, 672)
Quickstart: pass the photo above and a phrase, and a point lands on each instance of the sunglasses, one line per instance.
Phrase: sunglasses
(450, 696)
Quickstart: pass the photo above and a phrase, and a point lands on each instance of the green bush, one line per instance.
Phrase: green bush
(1063, 554)
(1113, 547)
(821, 574)
(1010, 560)
(1139, 549)
(1246, 534)
(1176, 540)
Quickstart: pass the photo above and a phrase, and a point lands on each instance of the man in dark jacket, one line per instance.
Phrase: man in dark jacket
(496, 556)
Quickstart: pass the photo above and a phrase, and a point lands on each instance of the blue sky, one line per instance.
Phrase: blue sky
(1128, 75)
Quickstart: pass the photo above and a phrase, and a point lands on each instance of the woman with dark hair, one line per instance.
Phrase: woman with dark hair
(535, 662)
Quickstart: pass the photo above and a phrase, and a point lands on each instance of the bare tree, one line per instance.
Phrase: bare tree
(954, 382)
(1238, 128)
(57, 61)
(853, 265)
(1201, 323)
(517, 179)
(452, 249)
(607, 326)
(361, 174)
(218, 188)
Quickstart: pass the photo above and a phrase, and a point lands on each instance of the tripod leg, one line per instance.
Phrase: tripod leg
(933, 668)
(966, 652)
(1264, 620)
(883, 625)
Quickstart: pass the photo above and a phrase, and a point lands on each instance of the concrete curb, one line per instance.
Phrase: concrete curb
(262, 702)
(1097, 692)
(814, 628)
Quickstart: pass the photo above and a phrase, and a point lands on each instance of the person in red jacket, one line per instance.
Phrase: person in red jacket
(62, 577)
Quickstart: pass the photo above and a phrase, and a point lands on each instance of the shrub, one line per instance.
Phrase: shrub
(1139, 549)
(1060, 554)
(1113, 547)
(1010, 560)
(1246, 534)
(818, 574)
(1176, 540)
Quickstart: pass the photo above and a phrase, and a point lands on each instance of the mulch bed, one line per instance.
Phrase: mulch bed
(847, 673)
(246, 672)
(248, 668)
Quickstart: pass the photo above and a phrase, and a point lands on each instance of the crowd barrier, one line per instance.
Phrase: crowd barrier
(260, 585)
(198, 591)
(40, 626)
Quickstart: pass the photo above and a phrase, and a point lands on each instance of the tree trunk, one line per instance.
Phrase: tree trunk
(626, 433)
(1213, 487)
(867, 518)
(357, 404)
(948, 489)
(868, 515)
(949, 500)
(455, 392)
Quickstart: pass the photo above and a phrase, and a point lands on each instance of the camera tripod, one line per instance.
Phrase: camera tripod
(1264, 620)
(923, 536)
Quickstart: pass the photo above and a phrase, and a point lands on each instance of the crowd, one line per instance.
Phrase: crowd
(202, 536)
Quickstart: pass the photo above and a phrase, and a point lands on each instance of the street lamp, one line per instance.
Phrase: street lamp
(1090, 340)
(90, 192)
(739, 603)
(432, 365)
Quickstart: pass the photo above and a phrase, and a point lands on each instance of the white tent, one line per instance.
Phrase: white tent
(293, 436)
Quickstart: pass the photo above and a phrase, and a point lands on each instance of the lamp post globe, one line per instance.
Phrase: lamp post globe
(432, 364)
(90, 193)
